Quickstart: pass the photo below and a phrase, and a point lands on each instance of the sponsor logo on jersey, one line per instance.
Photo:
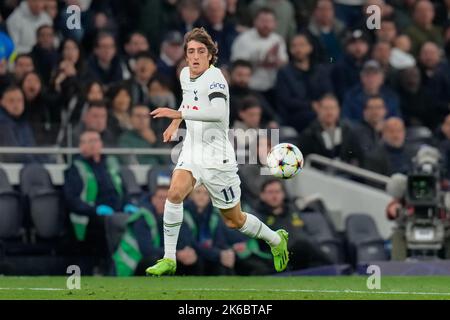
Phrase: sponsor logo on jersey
(195, 95)
(215, 85)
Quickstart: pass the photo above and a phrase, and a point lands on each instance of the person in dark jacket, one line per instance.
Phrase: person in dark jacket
(369, 130)
(45, 55)
(208, 231)
(393, 155)
(346, 71)
(15, 131)
(300, 84)
(105, 64)
(275, 210)
(329, 137)
(93, 190)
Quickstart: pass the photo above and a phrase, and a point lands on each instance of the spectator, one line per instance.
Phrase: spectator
(435, 75)
(146, 228)
(284, 14)
(171, 53)
(300, 84)
(135, 43)
(189, 12)
(249, 122)
(71, 73)
(346, 71)
(15, 129)
(328, 31)
(24, 21)
(372, 83)
(369, 130)
(141, 135)
(95, 119)
(160, 93)
(40, 110)
(263, 48)
(44, 53)
(349, 11)
(393, 155)
(240, 75)
(93, 190)
(76, 107)
(443, 143)
(208, 230)
(382, 52)
(23, 65)
(51, 7)
(401, 58)
(220, 30)
(105, 63)
(328, 136)
(414, 100)
(276, 211)
(387, 32)
(145, 68)
(119, 110)
(423, 29)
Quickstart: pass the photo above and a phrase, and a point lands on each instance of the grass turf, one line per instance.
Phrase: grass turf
(224, 288)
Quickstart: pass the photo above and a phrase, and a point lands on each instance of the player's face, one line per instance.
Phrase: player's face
(197, 57)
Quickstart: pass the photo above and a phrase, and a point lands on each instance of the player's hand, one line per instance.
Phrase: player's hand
(169, 133)
(166, 113)
(187, 256)
(227, 258)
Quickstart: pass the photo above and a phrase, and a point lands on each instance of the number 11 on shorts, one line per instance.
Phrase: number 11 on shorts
(227, 193)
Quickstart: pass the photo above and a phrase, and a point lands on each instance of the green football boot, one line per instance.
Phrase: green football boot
(280, 252)
(162, 267)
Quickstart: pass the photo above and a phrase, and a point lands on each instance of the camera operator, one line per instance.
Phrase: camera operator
(420, 207)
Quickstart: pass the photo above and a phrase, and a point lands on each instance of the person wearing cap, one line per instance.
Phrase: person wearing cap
(371, 84)
(171, 54)
(345, 73)
(142, 243)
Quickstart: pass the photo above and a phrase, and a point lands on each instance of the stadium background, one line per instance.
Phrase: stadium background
(128, 54)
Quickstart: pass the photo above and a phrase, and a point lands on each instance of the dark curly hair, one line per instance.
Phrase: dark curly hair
(202, 36)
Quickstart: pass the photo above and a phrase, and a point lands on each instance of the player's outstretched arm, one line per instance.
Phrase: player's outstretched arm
(215, 112)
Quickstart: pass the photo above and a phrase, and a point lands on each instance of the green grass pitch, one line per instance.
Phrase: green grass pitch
(224, 288)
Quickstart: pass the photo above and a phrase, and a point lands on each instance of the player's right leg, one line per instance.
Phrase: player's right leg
(181, 185)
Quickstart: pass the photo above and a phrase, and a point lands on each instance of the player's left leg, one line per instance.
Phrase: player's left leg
(251, 226)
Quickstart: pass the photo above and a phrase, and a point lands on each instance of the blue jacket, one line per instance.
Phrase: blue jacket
(296, 90)
(355, 99)
(6, 46)
(345, 74)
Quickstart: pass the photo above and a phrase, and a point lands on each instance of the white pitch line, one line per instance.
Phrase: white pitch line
(269, 290)
(33, 289)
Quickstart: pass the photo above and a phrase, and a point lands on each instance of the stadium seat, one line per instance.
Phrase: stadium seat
(44, 201)
(318, 227)
(288, 135)
(158, 175)
(364, 240)
(114, 229)
(10, 211)
(132, 188)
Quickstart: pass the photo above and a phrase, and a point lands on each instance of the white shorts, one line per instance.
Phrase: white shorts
(222, 183)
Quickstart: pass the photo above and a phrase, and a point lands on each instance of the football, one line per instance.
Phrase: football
(285, 160)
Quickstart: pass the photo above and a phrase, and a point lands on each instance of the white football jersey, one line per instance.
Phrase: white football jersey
(206, 143)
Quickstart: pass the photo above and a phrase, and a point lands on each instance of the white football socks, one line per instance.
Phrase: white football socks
(255, 228)
(173, 218)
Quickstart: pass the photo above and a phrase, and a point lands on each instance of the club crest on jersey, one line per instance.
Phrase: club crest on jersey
(216, 84)
(195, 95)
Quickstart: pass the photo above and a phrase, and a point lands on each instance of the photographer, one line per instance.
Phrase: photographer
(421, 208)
